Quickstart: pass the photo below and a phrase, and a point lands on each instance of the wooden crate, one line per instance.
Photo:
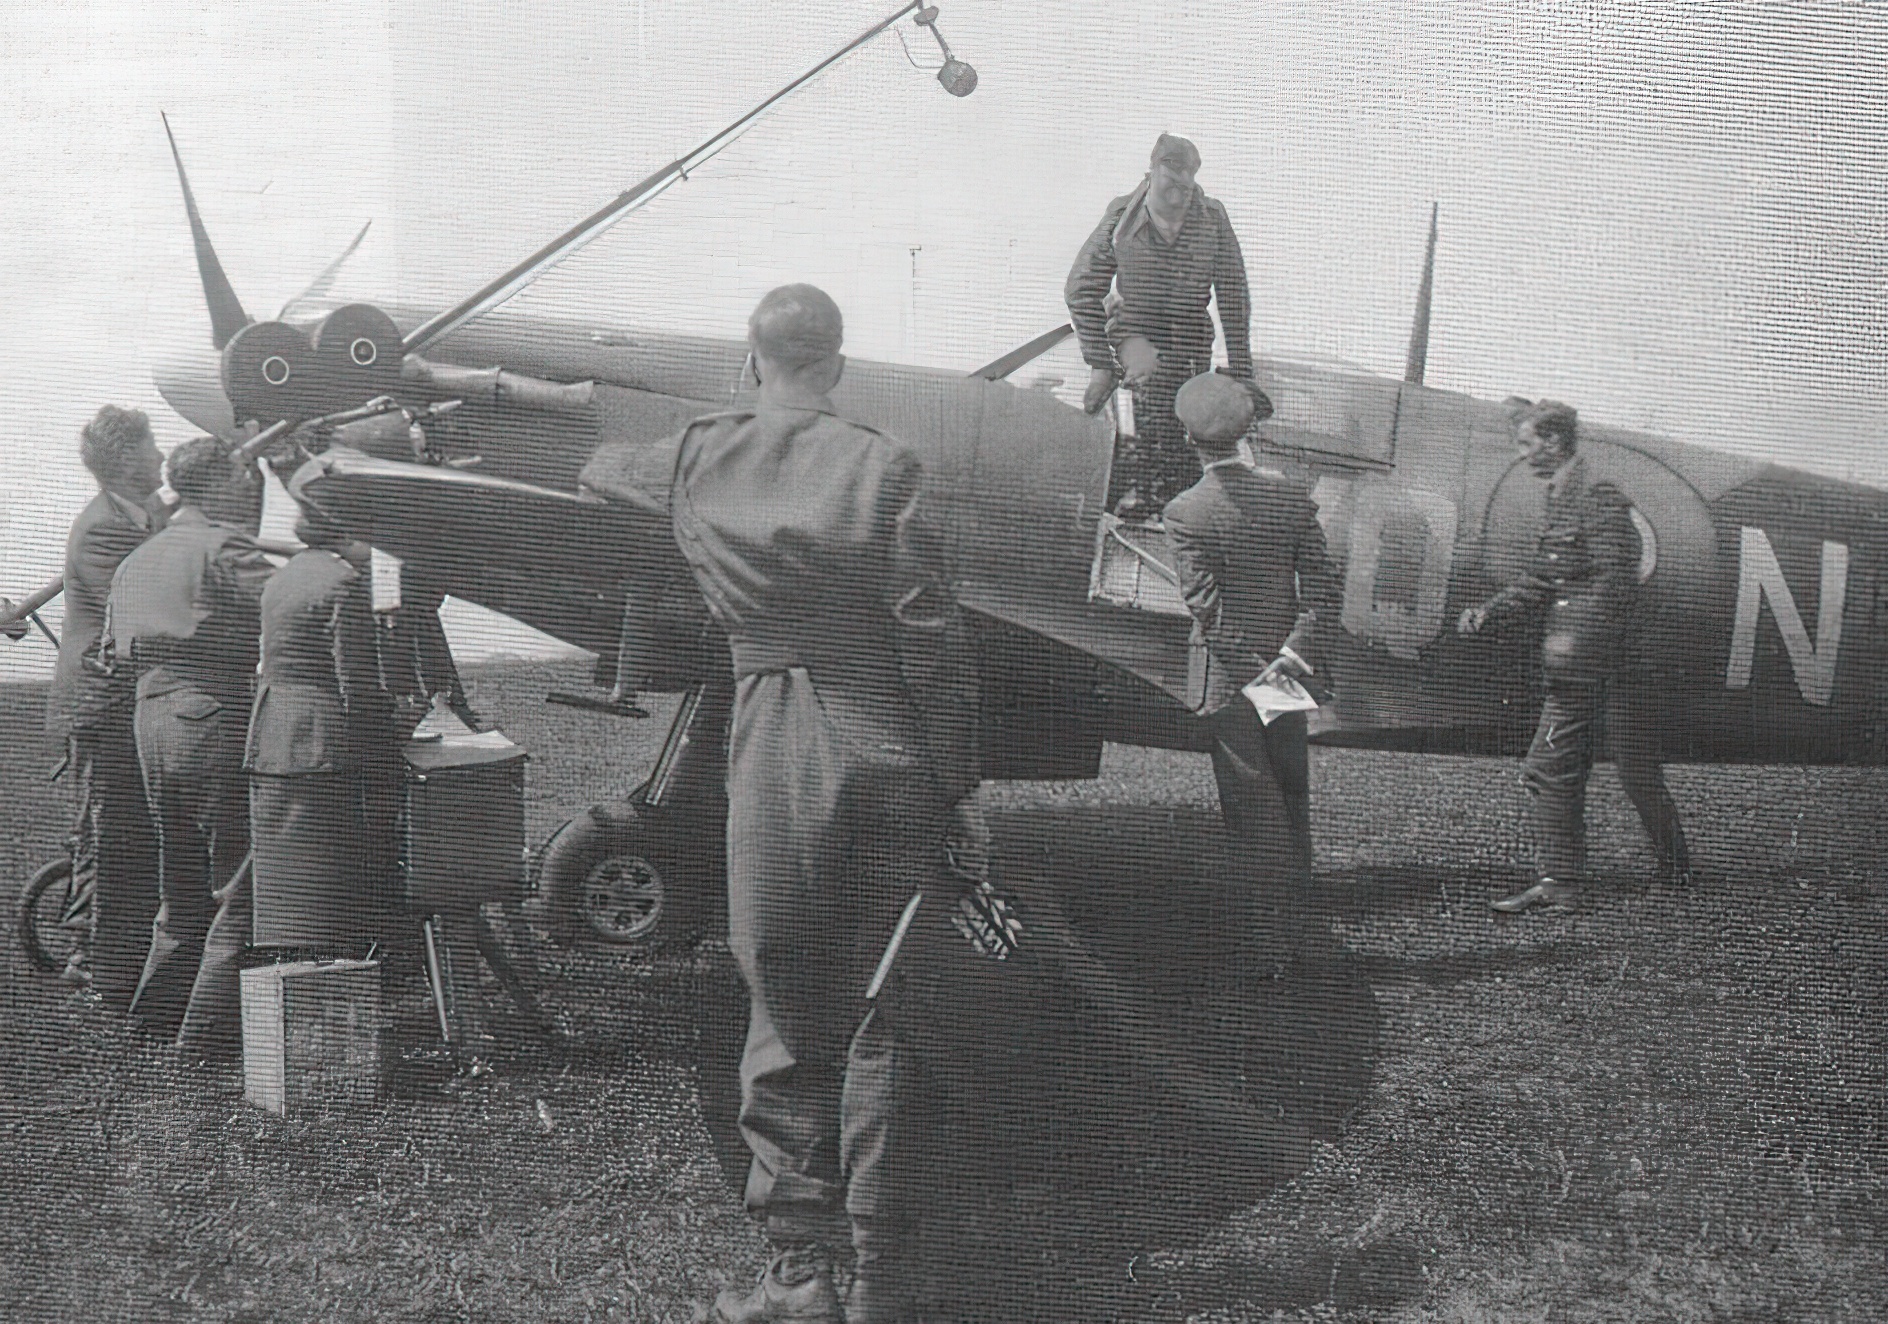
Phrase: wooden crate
(312, 1035)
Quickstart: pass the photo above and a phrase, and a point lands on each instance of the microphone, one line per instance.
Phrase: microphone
(957, 77)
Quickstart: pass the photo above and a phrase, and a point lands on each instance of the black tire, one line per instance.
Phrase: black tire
(620, 881)
(52, 920)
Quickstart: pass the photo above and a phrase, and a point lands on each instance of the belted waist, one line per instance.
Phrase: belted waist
(863, 658)
(167, 664)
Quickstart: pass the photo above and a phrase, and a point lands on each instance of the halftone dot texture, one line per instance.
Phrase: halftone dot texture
(1665, 1105)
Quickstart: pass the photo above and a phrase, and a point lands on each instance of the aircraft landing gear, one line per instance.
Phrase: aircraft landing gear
(649, 872)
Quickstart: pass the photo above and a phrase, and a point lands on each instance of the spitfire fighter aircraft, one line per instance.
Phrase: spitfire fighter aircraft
(542, 494)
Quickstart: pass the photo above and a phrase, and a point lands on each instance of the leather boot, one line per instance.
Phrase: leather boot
(1547, 894)
(796, 1286)
(881, 1291)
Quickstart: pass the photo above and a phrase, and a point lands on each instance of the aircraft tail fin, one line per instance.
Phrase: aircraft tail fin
(226, 310)
(1418, 358)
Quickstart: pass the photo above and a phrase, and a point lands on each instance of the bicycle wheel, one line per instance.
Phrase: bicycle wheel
(52, 917)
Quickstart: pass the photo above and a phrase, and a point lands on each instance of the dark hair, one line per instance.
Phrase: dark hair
(1550, 418)
(796, 325)
(108, 441)
(199, 469)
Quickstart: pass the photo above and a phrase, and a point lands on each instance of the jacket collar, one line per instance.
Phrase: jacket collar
(1241, 458)
(788, 398)
(1569, 477)
(1137, 218)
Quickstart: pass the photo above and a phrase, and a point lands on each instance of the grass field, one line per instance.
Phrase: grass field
(1664, 1107)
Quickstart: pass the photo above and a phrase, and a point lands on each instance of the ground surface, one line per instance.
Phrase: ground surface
(1662, 1107)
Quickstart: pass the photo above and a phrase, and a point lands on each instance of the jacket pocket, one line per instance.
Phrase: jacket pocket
(195, 707)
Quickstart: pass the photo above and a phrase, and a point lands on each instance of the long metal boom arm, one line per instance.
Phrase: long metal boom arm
(504, 287)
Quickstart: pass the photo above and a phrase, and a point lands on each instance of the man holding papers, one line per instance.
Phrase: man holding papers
(1252, 565)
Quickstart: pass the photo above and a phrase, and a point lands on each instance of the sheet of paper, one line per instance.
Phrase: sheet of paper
(1278, 693)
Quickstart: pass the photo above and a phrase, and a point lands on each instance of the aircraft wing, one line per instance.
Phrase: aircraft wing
(553, 560)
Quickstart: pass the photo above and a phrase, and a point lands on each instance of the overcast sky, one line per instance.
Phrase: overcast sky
(1671, 215)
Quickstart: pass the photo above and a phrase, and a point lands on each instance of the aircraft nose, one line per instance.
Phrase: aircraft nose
(189, 376)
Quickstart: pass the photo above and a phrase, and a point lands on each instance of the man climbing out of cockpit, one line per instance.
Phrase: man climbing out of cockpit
(1138, 295)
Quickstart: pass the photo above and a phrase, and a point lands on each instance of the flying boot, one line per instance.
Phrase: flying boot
(796, 1287)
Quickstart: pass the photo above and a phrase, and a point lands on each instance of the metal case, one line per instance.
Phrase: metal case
(462, 826)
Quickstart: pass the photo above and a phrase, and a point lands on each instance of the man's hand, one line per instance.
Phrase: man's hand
(1101, 383)
(1290, 664)
(988, 921)
(1472, 620)
(1139, 360)
(1261, 402)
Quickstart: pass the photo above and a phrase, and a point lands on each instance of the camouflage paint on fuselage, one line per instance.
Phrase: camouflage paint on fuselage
(1425, 505)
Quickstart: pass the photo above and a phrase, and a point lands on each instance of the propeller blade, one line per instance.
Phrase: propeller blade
(998, 369)
(1418, 358)
(320, 284)
(226, 310)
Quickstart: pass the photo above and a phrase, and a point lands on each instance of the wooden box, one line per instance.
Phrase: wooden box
(462, 829)
(312, 1035)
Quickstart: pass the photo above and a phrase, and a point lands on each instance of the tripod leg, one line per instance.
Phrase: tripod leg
(492, 947)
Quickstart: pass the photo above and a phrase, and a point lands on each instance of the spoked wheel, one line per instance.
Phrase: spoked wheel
(625, 882)
(53, 916)
(624, 898)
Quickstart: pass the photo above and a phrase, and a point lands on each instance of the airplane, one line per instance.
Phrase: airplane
(1763, 625)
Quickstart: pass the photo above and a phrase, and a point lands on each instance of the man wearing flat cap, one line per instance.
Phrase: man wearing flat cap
(806, 536)
(1138, 295)
(1252, 565)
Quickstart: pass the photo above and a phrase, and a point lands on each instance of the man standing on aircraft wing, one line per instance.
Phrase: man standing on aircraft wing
(1251, 559)
(806, 538)
(184, 611)
(1585, 577)
(1163, 250)
(115, 855)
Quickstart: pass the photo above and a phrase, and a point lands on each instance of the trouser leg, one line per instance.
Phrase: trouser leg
(1635, 755)
(167, 749)
(212, 1021)
(1556, 769)
(784, 785)
(1170, 465)
(1264, 791)
(117, 853)
(823, 853)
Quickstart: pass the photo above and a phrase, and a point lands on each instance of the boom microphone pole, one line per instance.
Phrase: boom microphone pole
(958, 78)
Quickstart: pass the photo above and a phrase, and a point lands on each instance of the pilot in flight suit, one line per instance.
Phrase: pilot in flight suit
(805, 535)
(322, 753)
(1252, 565)
(1165, 250)
(90, 707)
(1585, 577)
(184, 610)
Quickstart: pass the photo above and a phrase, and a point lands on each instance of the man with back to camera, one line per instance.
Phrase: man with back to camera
(184, 612)
(1585, 577)
(807, 539)
(89, 708)
(1164, 249)
(1252, 566)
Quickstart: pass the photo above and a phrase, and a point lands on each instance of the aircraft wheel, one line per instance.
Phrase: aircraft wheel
(52, 920)
(617, 881)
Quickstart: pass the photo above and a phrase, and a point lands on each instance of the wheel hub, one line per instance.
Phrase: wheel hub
(624, 898)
